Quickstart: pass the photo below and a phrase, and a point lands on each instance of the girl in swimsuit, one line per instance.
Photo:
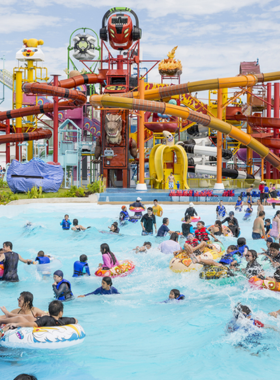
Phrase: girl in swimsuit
(77, 226)
(26, 309)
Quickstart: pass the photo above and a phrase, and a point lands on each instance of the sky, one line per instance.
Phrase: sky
(213, 37)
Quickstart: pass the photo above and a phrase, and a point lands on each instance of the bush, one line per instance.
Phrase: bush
(96, 187)
(7, 196)
(3, 184)
(35, 193)
(75, 192)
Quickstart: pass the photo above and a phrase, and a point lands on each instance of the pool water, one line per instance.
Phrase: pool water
(134, 335)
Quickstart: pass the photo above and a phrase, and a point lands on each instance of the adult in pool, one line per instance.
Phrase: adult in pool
(231, 218)
(137, 203)
(26, 308)
(190, 211)
(61, 287)
(114, 228)
(171, 245)
(274, 254)
(164, 230)
(258, 226)
(187, 227)
(66, 223)
(11, 260)
(81, 267)
(109, 259)
(106, 288)
(274, 232)
(77, 226)
(253, 268)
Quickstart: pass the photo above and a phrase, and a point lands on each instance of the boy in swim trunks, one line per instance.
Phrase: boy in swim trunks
(171, 180)
(248, 193)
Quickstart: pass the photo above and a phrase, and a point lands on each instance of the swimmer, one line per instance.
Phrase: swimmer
(109, 259)
(231, 258)
(190, 211)
(144, 248)
(55, 318)
(66, 223)
(44, 260)
(77, 226)
(61, 287)
(26, 309)
(106, 288)
(164, 230)
(175, 295)
(81, 267)
(114, 228)
(218, 229)
(239, 204)
(248, 211)
(187, 226)
(221, 210)
(124, 215)
(242, 246)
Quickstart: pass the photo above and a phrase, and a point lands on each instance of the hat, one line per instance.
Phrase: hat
(191, 204)
(59, 273)
(263, 182)
(123, 207)
(231, 213)
(139, 199)
(269, 239)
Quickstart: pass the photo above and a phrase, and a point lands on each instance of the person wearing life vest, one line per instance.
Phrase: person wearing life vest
(239, 204)
(124, 215)
(175, 295)
(81, 267)
(61, 287)
(221, 210)
(202, 234)
(66, 223)
(42, 262)
(231, 258)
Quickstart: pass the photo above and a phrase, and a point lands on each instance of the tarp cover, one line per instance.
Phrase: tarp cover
(22, 177)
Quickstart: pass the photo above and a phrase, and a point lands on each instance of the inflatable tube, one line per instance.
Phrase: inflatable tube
(125, 268)
(265, 284)
(225, 228)
(137, 209)
(273, 200)
(1, 270)
(43, 337)
(214, 272)
(194, 219)
(181, 263)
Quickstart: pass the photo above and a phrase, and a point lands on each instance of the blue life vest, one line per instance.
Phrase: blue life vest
(221, 211)
(242, 249)
(181, 297)
(66, 224)
(124, 215)
(238, 203)
(62, 296)
(78, 268)
(228, 258)
(248, 211)
(43, 260)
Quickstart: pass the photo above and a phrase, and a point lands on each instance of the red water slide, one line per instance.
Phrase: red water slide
(62, 90)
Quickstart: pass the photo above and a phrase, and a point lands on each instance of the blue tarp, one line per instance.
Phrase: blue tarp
(22, 177)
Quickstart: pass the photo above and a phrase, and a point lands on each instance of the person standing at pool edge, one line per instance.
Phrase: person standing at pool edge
(147, 222)
(157, 209)
(10, 260)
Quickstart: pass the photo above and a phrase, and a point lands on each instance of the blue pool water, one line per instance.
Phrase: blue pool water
(133, 335)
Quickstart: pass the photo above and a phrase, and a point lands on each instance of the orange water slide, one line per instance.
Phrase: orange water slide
(62, 90)
(185, 113)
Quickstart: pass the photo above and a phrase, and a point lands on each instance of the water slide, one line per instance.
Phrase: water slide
(78, 99)
(184, 113)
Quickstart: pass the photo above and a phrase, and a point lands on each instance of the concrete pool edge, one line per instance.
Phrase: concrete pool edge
(93, 198)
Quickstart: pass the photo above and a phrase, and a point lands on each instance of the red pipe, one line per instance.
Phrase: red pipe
(8, 153)
(268, 114)
(55, 122)
(40, 133)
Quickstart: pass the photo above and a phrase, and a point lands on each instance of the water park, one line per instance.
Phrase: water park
(112, 262)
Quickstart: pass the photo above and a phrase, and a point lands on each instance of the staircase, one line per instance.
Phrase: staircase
(6, 78)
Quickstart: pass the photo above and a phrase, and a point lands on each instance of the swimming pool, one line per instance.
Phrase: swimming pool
(133, 335)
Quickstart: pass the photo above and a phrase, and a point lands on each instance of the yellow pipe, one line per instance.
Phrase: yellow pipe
(141, 135)
(203, 85)
(249, 132)
(30, 69)
(184, 113)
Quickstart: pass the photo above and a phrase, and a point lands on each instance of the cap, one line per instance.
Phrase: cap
(231, 213)
(191, 204)
(59, 273)
(269, 239)
(123, 207)
(263, 182)
(139, 199)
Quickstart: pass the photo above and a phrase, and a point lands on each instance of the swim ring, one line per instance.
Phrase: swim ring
(43, 337)
(1, 270)
(273, 200)
(225, 228)
(194, 219)
(181, 263)
(265, 284)
(126, 267)
(137, 209)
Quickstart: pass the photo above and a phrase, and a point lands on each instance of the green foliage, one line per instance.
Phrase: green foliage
(96, 187)
(3, 184)
(35, 193)
(75, 192)
(7, 196)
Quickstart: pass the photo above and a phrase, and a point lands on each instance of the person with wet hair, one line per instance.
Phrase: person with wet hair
(144, 248)
(77, 226)
(176, 295)
(253, 268)
(170, 246)
(109, 259)
(10, 260)
(274, 254)
(24, 376)
(114, 228)
(106, 288)
(242, 246)
(81, 267)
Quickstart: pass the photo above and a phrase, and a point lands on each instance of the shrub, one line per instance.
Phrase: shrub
(75, 192)
(3, 184)
(96, 187)
(7, 196)
(35, 193)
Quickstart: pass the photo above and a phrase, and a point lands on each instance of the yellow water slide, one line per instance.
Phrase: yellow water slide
(108, 101)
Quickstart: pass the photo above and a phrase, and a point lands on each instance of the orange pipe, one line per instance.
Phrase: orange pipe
(141, 135)
(219, 137)
(210, 84)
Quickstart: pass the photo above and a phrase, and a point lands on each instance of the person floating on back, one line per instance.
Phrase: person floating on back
(106, 288)
(81, 267)
(66, 223)
(144, 248)
(61, 287)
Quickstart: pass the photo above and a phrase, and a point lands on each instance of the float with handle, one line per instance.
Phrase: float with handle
(125, 268)
(43, 337)
(181, 262)
(265, 284)
(137, 209)
(273, 200)
(194, 219)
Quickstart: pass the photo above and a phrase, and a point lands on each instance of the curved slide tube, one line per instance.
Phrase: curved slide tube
(77, 99)
(39, 134)
(205, 120)
(202, 85)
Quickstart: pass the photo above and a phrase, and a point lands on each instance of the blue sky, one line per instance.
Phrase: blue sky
(213, 37)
